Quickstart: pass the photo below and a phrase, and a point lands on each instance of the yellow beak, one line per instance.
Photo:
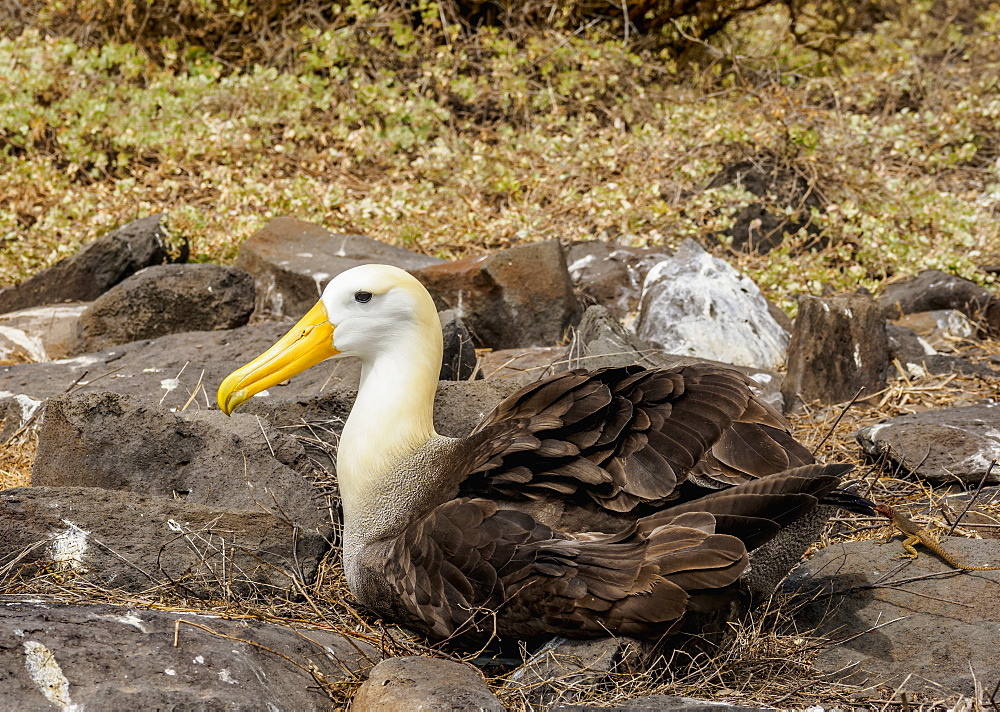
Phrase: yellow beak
(309, 342)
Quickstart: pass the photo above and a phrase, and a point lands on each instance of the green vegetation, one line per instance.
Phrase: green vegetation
(453, 141)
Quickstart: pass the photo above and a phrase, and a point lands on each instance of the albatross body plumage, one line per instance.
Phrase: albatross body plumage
(615, 500)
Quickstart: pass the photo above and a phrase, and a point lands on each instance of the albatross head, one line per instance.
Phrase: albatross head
(373, 312)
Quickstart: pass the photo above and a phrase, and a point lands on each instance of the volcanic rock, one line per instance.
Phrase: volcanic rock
(167, 299)
(839, 347)
(94, 269)
(515, 298)
(910, 627)
(100, 657)
(292, 261)
(420, 683)
(947, 445)
(120, 540)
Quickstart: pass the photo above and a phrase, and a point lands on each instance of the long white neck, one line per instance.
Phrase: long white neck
(392, 417)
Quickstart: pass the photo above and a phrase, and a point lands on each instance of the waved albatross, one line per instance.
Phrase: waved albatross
(614, 500)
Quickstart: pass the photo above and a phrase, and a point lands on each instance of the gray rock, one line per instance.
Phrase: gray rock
(515, 298)
(939, 325)
(459, 360)
(919, 358)
(889, 624)
(96, 268)
(839, 346)
(39, 334)
(606, 343)
(697, 305)
(167, 370)
(123, 443)
(603, 337)
(566, 671)
(949, 445)
(419, 683)
(291, 262)
(933, 289)
(57, 656)
(612, 275)
(167, 299)
(20, 414)
(121, 540)
(906, 344)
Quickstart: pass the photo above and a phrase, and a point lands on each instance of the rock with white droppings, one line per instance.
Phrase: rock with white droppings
(198, 361)
(75, 658)
(292, 260)
(933, 289)
(125, 541)
(839, 346)
(612, 275)
(419, 683)
(697, 305)
(949, 445)
(606, 343)
(919, 358)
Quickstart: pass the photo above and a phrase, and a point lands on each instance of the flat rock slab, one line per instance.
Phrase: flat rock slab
(292, 261)
(169, 369)
(697, 305)
(939, 445)
(64, 657)
(167, 299)
(121, 540)
(201, 457)
(419, 683)
(888, 623)
(97, 267)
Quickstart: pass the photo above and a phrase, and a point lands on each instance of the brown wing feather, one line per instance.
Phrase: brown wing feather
(621, 437)
(468, 567)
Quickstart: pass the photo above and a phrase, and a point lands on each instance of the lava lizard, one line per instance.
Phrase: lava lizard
(916, 534)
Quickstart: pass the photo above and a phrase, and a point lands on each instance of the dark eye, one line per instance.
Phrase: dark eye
(362, 297)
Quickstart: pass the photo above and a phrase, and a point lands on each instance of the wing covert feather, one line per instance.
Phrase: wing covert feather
(620, 437)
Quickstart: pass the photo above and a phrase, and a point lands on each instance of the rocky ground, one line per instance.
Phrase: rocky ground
(154, 550)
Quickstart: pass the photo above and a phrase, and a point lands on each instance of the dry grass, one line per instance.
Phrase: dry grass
(16, 458)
